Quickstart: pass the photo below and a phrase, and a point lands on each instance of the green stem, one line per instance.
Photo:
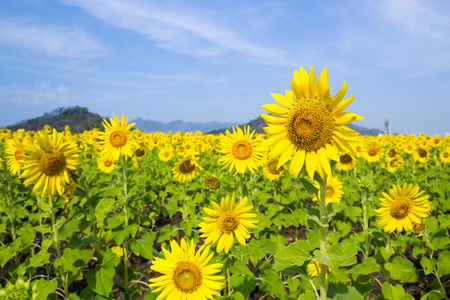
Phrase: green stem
(125, 208)
(323, 236)
(92, 214)
(185, 202)
(436, 273)
(365, 222)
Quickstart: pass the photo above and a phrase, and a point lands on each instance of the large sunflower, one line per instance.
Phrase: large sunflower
(14, 155)
(402, 207)
(241, 150)
(186, 169)
(227, 221)
(186, 273)
(308, 125)
(117, 139)
(49, 163)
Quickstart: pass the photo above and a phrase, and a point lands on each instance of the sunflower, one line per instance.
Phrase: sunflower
(313, 267)
(14, 155)
(186, 273)
(49, 163)
(105, 165)
(346, 162)
(308, 125)
(186, 169)
(227, 221)
(165, 154)
(372, 152)
(333, 192)
(421, 154)
(117, 139)
(402, 207)
(241, 150)
(393, 165)
(270, 170)
(445, 156)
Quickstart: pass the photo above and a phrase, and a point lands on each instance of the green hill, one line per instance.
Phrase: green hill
(78, 118)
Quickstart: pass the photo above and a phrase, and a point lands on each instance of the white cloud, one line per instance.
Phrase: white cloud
(41, 93)
(49, 39)
(179, 28)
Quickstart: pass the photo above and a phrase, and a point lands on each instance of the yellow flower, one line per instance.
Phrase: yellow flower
(402, 207)
(346, 162)
(241, 150)
(394, 164)
(14, 155)
(105, 164)
(49, 163)
(165, 154)
(314, 267)
(308, 125)
(186, 274)
(333, 192)
(445, 156)
(270, 169)
(372, 151)
(421, 154)
(117, 139)
(227, 221)
(186, 169)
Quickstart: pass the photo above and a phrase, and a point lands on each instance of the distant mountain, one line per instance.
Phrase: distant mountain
(178, 125)
(78, 118)
(258, 123)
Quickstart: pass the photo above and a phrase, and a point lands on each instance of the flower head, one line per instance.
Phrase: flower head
(186, 273)
(186, 169)
(117, 139)
(227, 221)
(307, 126)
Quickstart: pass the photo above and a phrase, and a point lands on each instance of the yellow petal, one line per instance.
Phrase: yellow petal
(275, 109)
(311, 163)
(297, 163)
(343, 105)
(280, 99)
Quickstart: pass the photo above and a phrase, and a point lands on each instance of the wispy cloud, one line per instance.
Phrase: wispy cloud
(41, 93)
(180, 29)
(49, 39)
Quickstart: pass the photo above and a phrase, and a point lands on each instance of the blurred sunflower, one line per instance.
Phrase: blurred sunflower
(308, 125)
(105, 164)
(14, 155)
(402, 207)
(241, 150)
(227, 221)
(271, 170)
(346, 162)
(393, 165)
(421, 154)
(333, 192)
(186, 273)
(372, 152)
(313, 266)
(165, 154)
(117, 139)
(49, 163)
(186, 169)
(445, 156)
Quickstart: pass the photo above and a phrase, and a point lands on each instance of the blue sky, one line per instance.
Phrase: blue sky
(220, 60)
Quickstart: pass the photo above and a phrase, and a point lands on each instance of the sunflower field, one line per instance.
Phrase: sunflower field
(308, 210)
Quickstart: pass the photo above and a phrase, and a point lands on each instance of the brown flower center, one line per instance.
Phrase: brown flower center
(187, 277)
(118, 138)
(446, 155)
(242, 150)
(329, 192)
(52, 163)
(423, 153)
(186, 167)
(273, 167)
(400, 208)
(18, 154)
(309, 124)
(345, 159)
(228, 222)
(107, 162)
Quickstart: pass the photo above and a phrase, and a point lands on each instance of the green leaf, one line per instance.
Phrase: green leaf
(394, 292)
(294, 254)
(443, 263)
(44, 288)
(309, 186)
(402, 269)
(108, 259)
(308, 295)
(101, 281)
(69, 229)
(428, 265)
(144, 245)
(338, 255)
(244, 284)
(38, 260)
(368, 266)
(233, 296)
(341, 291)
(272, 284)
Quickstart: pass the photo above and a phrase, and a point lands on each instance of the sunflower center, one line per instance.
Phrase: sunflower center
(242, 150)
(392, 153)
(166, 154)
(400, 208)
(107, 162)
(228, 222)
(211, 182)
(118, 138)
(446, 155)
(52, 163)
(18, 154)
(309, 125)
(423, 153)
(372, 151)
(345, 159)
(273, 167)
(329, 192)
(187, 277)
(186, 167)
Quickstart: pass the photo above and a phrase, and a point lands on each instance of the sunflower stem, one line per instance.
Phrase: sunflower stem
(125, 244)
(436, 273)
(323, 236)
(92, 214)
(365, 222)
(185, 202)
